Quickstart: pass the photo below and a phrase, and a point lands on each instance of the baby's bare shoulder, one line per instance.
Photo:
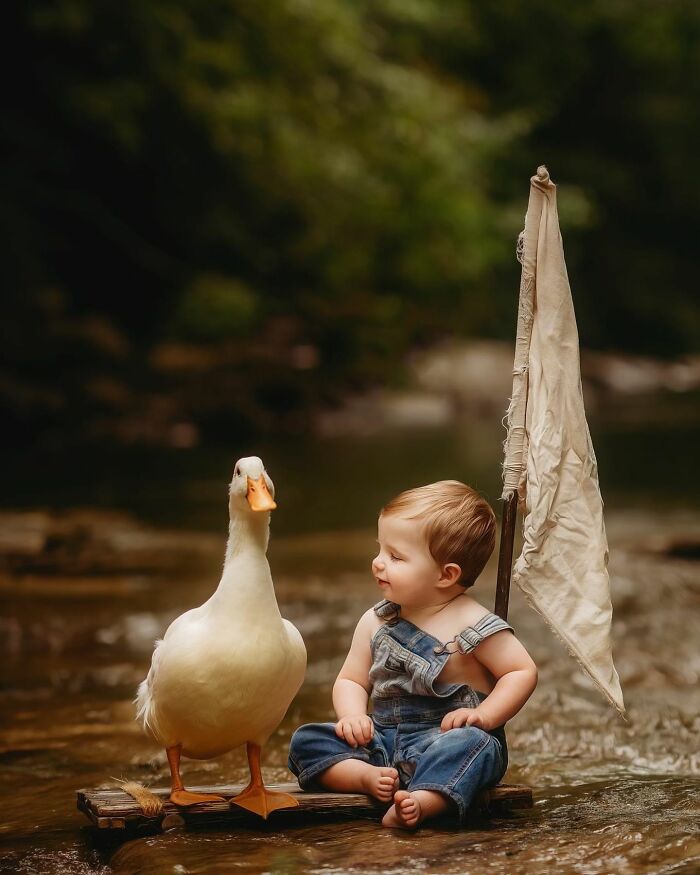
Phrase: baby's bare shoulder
(468, 611)
(368, 624)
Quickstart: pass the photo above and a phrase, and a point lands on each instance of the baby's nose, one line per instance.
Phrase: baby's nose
(377, 563)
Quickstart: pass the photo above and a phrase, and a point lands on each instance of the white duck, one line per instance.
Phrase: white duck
(226, 672)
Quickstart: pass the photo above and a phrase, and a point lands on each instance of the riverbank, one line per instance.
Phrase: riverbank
(184, 396)
(78, 642)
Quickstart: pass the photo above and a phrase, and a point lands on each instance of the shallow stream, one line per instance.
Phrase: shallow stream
(80, 613)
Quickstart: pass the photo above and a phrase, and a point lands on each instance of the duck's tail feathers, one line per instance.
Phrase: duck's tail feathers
(145, 708)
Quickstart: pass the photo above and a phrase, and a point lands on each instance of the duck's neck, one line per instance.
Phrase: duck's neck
(246, 584)
(248, 534)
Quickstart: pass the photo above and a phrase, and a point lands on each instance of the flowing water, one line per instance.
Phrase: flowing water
(80, 615)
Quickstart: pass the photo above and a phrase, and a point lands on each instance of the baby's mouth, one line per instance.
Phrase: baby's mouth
(382, 582)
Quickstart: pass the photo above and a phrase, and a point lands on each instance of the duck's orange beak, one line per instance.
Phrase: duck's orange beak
(258, 495)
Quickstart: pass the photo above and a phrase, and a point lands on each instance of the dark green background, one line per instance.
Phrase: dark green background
(287, 197)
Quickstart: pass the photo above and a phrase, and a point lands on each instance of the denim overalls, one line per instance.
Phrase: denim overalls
(409, 703)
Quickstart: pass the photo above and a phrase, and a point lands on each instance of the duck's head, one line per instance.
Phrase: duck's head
(251, 489)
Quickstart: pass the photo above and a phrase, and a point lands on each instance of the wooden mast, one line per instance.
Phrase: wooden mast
(514, 448)
(505, 555)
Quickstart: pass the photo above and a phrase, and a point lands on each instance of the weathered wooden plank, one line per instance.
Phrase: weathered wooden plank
(116, 810)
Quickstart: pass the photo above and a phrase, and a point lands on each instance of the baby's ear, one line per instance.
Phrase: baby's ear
(450, 574)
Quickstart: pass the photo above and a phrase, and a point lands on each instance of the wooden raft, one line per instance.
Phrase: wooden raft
(116, 810)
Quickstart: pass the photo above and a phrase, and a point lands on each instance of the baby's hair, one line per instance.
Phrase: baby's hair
(460, 525)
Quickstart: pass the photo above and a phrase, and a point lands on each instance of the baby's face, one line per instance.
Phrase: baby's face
(404, 569)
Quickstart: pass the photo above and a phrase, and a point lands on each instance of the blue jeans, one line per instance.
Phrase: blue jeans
(458, 763)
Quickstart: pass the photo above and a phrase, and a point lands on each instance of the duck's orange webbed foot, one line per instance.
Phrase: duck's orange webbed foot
(185, 798)
(178, 794)
(260, 800)
(256, 797)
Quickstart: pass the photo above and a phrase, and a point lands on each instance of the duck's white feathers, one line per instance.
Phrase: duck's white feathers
(225, 673)
(214, 684)
(144, 700)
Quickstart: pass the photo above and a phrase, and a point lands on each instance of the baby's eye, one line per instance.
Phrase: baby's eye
(395, 558)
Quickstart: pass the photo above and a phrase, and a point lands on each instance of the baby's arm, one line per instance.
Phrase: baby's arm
(506, 658)
(352, 688)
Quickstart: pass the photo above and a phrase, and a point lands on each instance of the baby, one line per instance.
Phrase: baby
(443, 673)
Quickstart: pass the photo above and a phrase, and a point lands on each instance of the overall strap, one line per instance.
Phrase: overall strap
(472, 636)
(387, 610)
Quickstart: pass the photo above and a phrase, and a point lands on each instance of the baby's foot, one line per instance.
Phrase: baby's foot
(380, 782)
(405, 813)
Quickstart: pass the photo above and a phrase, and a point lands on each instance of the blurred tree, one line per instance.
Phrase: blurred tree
(611, 92)
(316, 187)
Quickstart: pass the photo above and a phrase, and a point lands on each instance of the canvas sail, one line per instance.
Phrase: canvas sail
(549, 456)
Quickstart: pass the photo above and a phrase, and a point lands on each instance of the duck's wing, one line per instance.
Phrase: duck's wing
(188, 617)
(294, 636)
(146, 712)
(297, 654)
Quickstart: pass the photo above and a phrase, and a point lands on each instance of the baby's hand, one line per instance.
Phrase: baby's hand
(465, 717)
(356, 729)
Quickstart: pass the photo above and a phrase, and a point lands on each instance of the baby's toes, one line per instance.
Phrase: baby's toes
(385, 788)
(408, 805)
(409, 812)
(388, 776)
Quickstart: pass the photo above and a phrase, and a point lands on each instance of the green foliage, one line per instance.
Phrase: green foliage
(354, 171)
(215, 308)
